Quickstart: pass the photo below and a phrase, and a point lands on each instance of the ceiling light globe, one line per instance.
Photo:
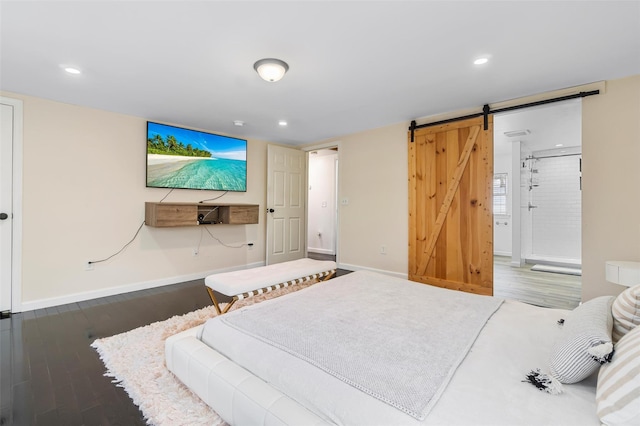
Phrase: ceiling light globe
(270, 69)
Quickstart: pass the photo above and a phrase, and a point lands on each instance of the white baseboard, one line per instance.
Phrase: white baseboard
(128, 288)
(320, 251)
(350, 267)
(145, 285)
(502, 253)
(555, 261)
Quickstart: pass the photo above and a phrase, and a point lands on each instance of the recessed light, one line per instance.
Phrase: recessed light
(238, 123)
(514, 133)
(282, 123)
(481, 61)
(559, 145)
(72, 70)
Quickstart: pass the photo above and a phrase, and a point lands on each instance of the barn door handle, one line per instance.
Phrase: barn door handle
(3, 216)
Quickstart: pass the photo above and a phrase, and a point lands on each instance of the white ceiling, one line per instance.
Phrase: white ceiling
(547, 126)
(354, 65)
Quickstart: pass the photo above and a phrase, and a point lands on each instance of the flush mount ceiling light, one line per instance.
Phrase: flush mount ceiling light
(238, 123)
(282, 123)
(481, 61)
(271, 69)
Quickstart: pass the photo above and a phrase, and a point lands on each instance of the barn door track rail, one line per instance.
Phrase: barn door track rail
(486, 110)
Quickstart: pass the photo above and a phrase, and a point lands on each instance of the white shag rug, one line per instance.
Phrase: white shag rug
(135, 360)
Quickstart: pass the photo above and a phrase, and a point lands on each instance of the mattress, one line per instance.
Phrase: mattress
(487, 388)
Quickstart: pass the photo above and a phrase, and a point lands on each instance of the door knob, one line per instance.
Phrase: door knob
(3, 216)
(271, 210)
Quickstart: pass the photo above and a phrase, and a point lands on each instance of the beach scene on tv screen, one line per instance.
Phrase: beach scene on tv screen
(183, 158)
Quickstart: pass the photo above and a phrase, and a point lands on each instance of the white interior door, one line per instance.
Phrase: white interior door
(6, 210)
(286, 174)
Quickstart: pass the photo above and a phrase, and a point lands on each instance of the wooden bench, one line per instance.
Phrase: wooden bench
(251, 282)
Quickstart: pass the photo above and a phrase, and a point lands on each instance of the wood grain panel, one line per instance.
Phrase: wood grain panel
(186, 214)
(171, 214)
(450, 195)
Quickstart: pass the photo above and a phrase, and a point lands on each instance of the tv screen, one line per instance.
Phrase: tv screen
(190, 159)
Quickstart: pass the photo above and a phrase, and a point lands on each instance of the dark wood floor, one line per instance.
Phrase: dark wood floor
(49, 375)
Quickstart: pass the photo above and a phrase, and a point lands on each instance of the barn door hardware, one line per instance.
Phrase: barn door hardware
(486, 110)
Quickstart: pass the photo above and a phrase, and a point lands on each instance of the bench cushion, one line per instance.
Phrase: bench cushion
(246, 280)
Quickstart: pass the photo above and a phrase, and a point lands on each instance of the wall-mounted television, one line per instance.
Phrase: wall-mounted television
(191, 159)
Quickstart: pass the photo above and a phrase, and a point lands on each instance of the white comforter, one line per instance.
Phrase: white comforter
(486, 389)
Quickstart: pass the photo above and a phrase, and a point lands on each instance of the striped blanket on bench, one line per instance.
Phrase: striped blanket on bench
(251, 282)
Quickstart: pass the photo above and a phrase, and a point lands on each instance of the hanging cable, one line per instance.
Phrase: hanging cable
(214, 198)
(121, 250)
(226, 245)
(91, 262)
(200, 241)
(166, 195)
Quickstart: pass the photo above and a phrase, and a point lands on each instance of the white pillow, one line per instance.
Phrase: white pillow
(585, 341)
(626, 312)
(618, 391)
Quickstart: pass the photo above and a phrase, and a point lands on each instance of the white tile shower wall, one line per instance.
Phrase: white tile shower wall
(557, 219)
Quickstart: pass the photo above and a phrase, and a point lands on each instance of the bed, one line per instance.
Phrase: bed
(305, 358)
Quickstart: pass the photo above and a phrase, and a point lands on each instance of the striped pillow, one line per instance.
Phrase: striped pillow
(618, 391)
(626, 312)
(585, 341)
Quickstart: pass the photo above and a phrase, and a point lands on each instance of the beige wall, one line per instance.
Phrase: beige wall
(611, 182)
(373, 174)
(83, 199)
(84, 194)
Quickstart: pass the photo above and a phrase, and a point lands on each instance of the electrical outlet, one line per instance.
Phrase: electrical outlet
(196, 252)
(383, 249)
(88, 266)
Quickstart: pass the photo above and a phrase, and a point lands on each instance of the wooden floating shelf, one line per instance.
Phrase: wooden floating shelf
(193, 214)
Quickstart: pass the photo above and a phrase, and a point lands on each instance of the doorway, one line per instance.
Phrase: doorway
(286, 173)
(537, 204)
(10, 205)
(322, 203)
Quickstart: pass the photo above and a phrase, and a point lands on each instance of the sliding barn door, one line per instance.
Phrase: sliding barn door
(450, 206)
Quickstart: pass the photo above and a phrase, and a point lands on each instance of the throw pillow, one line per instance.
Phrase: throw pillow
(585, 342)
(626, 312)
(618, 391)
